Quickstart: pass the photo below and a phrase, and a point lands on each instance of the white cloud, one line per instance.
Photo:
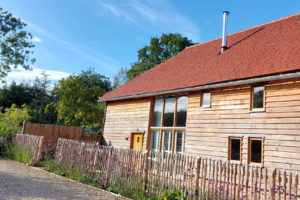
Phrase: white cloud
(158, 14)
(117, 11)
(36, 39)
(20, 75)
(146, 11)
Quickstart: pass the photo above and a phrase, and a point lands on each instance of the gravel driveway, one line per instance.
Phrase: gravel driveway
(18, 181)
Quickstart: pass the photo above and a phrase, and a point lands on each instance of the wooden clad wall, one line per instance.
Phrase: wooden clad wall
(125, 117)
(208, 129)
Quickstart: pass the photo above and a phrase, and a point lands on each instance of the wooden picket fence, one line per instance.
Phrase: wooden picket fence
(31, 142)
(198, 178)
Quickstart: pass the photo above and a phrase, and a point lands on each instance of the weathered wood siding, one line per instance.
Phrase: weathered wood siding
(125, 117)
(208, 130)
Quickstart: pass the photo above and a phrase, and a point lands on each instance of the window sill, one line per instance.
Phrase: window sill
(257, 112)
(235, 161)
(256, 164)
(258, 136)
(205, 108)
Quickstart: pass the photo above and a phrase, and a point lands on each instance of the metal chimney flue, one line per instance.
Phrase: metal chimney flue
(225, 15)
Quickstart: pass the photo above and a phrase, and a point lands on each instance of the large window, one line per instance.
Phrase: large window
(255, 150)
(258, 98)
(168, 124)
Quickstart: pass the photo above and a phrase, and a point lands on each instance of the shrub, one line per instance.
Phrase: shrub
(6, 135)
(172, 195)
(10, 124)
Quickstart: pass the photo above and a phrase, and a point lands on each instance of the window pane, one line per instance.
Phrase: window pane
(258, 97)
(235, 149)
(256, 148)
(206, 99)
(158, 106)
(179, 141)
(169, 111)
(155, 136)
(181, 110)
(167, 141)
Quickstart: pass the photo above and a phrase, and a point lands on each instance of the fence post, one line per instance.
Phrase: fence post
(39, 153)
(197, 177)
(109, 167)
(95, 159)
(272, 183)
(24, 126)
(146, 170)
(296, 187)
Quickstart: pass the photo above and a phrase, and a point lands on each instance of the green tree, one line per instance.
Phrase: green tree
(15, 44)
(41, 97)
(159, 50)
(17, 94)
(36, 96)
(78, 96)
(120, 78)
(41, 86)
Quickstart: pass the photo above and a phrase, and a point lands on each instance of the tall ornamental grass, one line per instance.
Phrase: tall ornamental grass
(24, 148)
(18, 153)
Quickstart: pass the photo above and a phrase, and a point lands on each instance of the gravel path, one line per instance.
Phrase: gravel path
(18, 181)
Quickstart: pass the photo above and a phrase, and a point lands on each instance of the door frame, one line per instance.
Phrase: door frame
(131, 138)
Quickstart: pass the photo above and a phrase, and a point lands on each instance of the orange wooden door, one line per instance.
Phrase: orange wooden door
(137, 141)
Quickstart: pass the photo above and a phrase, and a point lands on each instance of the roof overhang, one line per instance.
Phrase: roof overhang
(209, 86)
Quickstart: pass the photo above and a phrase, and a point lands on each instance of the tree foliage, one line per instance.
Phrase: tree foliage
(17, 94)
(15, 44)
(159, 50)
(11, 122)
(120, 78)
(36, 96)
(78, 96)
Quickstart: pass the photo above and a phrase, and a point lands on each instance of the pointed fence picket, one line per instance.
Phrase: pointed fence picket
(198, 178)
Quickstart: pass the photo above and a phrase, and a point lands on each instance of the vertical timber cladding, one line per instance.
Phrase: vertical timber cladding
(124, 118)
(208, 129)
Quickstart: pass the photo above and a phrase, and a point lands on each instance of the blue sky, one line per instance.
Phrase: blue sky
(72, 35)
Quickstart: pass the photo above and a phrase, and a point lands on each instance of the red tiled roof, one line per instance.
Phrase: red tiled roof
(267, 49)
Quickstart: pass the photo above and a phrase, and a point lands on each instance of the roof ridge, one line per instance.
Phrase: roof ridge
(246, 29)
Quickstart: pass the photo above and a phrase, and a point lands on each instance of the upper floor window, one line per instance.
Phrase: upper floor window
(205, 100)
(166, 114)
(168, 124)
(258, 98)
